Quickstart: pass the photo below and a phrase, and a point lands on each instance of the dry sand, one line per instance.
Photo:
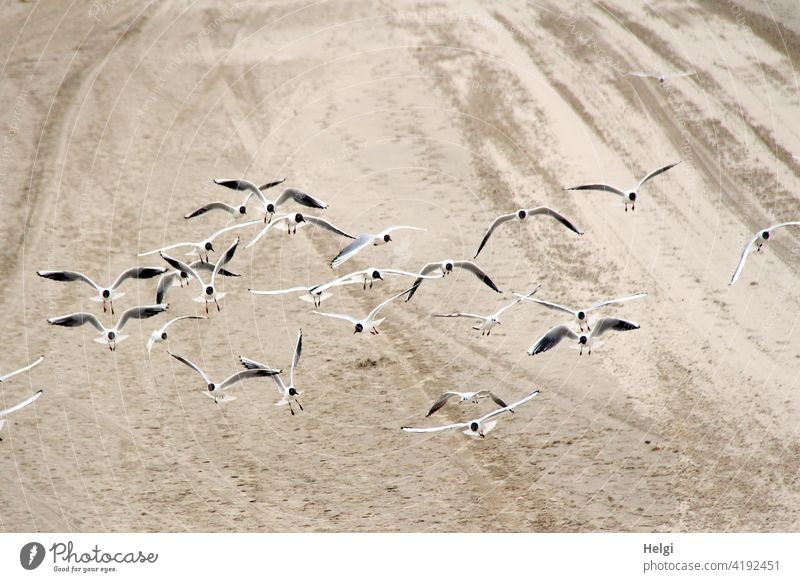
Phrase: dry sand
(116, 118)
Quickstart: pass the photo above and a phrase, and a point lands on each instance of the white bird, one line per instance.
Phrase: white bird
(758, 241)
(104, 294)
(365, 276)
(521, 215)
(176, 278)
(581, 315)
(558, 333)
(627, 195)
(661, 76)
(160, 334)
(297, 219)
(235, 211)
(445, 268)
(110, 336)
(271, 206)
(478, 427)
(204, 246)
(364, 240)
(370, 320)
(308, 293)
(466, 397)
(209, 290)
(217, 391)
(485, 323)
(5, 377)
(21, 405)
(288, 393)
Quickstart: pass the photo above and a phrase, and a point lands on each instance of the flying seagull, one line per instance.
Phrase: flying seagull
(204, 246)
(296, 219)
(160, 334)
(558, 333)
(466, 397)
(485, 323)
(104, 294)
(478, 427)
(308, 293)
(362, 241)
(445, 268)
(5, 377)
(110, 336)
(271, 206)
(235, 211)
(758, 241)
(177, 278)
(23, 404)
(365, 276)
(521, 215)
(660, 76)
(627, 195)
(370, 320)
(288, 393)
(217, 391)
(581, 315)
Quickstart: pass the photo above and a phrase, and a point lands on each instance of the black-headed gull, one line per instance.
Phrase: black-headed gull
(217, 391)
(204, 246)
(558, 333)
(485, 323)
(365, 276)
(445, 268)
(235, 211)
(369, 322)
(758, 241)
(289, 393)
(271, 206)
(160, 334)
(110, 336)
(629, 196)
(364, 240)
(521, 215)
(10, 375)
(209, 290)
(477, 427)
(105, 294)
(296, 219)
(466, 397)
(176, 278)
(21, 405)
(307, 293)
(662, 77)
(582, 315)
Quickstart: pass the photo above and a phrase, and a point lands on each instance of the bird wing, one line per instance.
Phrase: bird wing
(351, 249)
(496, 399)
(470, 315)
(76, 320)
(375, 311)
(265, 229)
(600, 187)
(391, 229)
(743, 258)
(435, 428)
(138, 273)
(441, 402)
(171, 321)
(340, 281)
(545, 211)
(222, 231)
(22, 404)
(643, 74)
(612, 301)
(192, 365)
(213, 206)
(551, 339)
(169, 248)
(182, 267)
(300, 197)
(612, 324)
(655, 173)
(164, 283)
(253, 365)
(142, 312)
(242, 186)
(352, 320)
(296, 359)
(68, 276)
(317, 221)
(280, 291)
(426, 270)
(269, 185)
(549, 305)
(507, 408)
(226, 258)
(21, 370)
(676, 75)
(245, 375)
(781, 225)
(519, 298)
(497, 222)
(478, 272)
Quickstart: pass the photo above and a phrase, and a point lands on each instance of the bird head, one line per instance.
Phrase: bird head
(359, 328)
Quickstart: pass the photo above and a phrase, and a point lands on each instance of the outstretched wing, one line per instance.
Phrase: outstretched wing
(497, 222)
(551, 339)
(280, 291)
(21, 405)
(743, 258)
(509, 408)
(298, 348)
(478, 272)
(496, 399)
(643, 74)
(545, 211)
(245, 375)
(321, 222)
(441, 402)
(391, 229)
(192, 365)
(76, 320)
(179, 265)
(470, 315)
(300, 197)
(655, 173)
(222, 231)
(21, 370)
(549, 305)
(241, 185)
(519, 298)
(605, 324)
(67, 276)
(374, 312)
(265, 229)
(164, 283)
(426, 270)
(269, 185)
(213, 206)
(351, 249)
(352, 320)
(226, 258)
(138, 273)
(253, 365)
(435, 428)
(599, 187)
(171, 321)
(143, 312)
(613, 301)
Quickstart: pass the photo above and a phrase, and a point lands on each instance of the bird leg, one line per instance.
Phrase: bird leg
(300, 405)
(370, 283)
(111, 303)
(290, 408)
(626, 207)
(217, 304)
(206, 307)
(104, 301)
(587, 325)
(581, 352)
(365, 285)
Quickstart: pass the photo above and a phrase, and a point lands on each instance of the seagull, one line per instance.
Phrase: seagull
(216, 391)
(296, 219)
(21, 370)
(370, 320)
(445, 268)
(209, 291)
(160, 334)
(485, 323)
(558, 333)
(521, 215)
(629, 195)
(23, 404)
(110, 336)
(235, 211)
(466, 397)
(204, 246)
(365, 276)
(478, 427)
(271, 206)
(363, 240)
(758, 241)
(308, 293)
(104, 294)
(661, 76)
(288, 393)
(176, 278)
(580, 315)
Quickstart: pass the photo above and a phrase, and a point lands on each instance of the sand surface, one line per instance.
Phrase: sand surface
(117, 116)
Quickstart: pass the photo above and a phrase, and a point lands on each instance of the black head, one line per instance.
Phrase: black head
(208, 246)
(583, 339)
(299, 218)
(292, 392)
(106, 293)
(581, 315)
(111, 335)
(386, 238)
(211, 387)
(448, 266)
(270, 208)
(209, 290)
(765, 235)
(359, 328)
(184, 275)
(522, 214)
(242, 210)
(164, 336)
(632, 196)
(377, 275)
(473, 426)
